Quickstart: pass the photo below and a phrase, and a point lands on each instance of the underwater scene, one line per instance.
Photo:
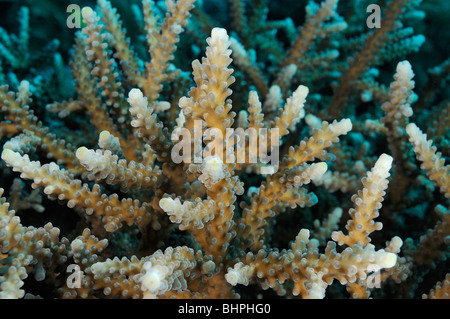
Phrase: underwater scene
(218, 149)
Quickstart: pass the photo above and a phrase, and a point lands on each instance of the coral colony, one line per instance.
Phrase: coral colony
(225, 149)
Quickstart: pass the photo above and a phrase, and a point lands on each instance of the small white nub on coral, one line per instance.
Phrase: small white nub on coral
(415, 133)
(240, 274)
(208, 267)
(103, 138)
(295, 105)
(342, 127)
(394, 245)
(169, 205)
(232, 277)
(273, 99)
(213, 170)
(404, 71)
(88, 14)
(139, 108)
(290, 70)
(313, 121)
(385, 259)
(162, 106)
(9, 156)
(136, 98)
(91, 160)
(219, 33)
(304, 234)
(83, 154)
(383, 165)
(153, 281)
(316, 170)
(24, 86)
(299, 96)
(253, 98)
(76, 245)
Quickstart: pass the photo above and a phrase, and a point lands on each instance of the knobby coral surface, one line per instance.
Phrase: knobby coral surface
(290, 159)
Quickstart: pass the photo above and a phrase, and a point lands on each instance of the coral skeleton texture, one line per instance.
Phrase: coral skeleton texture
(333, 186)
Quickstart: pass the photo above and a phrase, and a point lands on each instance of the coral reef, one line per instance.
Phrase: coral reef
(226, 149)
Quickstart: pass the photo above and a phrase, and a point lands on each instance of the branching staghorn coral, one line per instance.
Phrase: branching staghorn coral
(172, 204)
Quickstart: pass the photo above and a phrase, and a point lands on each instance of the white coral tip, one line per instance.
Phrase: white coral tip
(240, 274)
(167, 204)
(152, 280)
(345, 126)
(103, 138)
(87, 13)
(404, 70)
(213, 170)
(313, 121)
(304, 234)
(385, 260)
(76, 245)
(24, 86)
(232, 277)
(301, 92)
(10, 157)
(317, 170)
(219, 33)
(412, 130)
(384, 162)
(135, 94)
(82, 154)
